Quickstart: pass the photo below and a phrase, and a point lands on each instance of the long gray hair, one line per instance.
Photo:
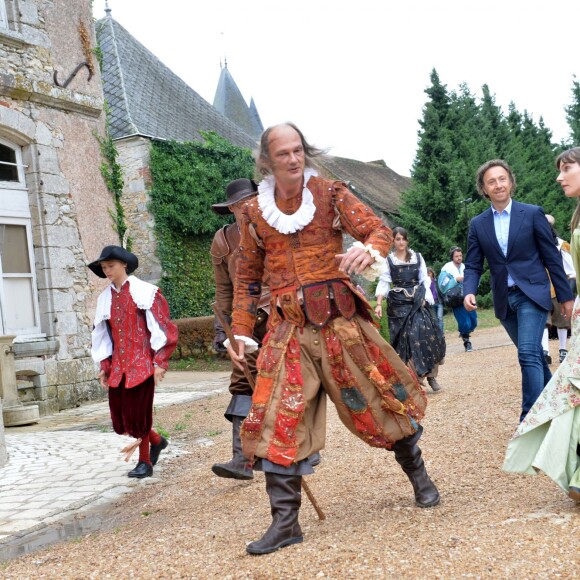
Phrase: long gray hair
(263, 161)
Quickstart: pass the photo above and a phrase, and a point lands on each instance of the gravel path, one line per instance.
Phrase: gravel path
(192, 524)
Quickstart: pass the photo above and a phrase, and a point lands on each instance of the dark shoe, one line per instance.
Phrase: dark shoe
(466, 342)
(142, 470)
(434, 384)
(408, 456)
(285, 499)
(314, 459)
(563, 354)
(157, 449)
(547, 357)
(238, 467)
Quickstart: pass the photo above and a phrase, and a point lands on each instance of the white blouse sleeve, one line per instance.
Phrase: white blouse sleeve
(426, 281)
(158, 339)
(101, 344)
(384, 285)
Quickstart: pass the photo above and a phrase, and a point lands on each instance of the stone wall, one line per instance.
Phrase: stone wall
(134, 159)
(56, 128)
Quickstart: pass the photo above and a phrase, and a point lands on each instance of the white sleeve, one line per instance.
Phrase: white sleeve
(426, 281)
(101, 344)
(384, 285)
(158, 338)
(568, 264)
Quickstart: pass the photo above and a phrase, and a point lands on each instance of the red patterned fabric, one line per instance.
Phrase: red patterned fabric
(368, 428)
(133, 357)
(269, 364)
(283, 444)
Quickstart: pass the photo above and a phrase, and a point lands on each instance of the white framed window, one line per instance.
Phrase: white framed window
(3, 15)
(19, 313)
(11, 167)
(18, 296)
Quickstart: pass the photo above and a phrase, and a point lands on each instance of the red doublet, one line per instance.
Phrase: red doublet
(133, 356)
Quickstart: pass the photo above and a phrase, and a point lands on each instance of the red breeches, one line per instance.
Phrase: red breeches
(132, 409)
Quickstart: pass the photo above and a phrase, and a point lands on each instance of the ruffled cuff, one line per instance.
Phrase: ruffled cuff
(251, 344)
(373, 271)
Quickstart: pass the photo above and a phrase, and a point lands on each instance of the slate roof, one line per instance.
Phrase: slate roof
(373, 183)
(229, 101)
(147, 98)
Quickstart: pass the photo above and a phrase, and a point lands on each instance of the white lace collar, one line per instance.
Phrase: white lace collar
(286, 224)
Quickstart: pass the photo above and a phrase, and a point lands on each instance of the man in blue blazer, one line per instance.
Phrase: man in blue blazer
(516, 240)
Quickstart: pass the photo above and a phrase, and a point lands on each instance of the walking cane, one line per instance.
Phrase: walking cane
(252, 383)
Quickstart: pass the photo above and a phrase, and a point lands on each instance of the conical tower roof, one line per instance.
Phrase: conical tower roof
(229, 101)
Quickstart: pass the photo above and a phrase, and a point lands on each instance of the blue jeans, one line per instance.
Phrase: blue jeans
(438, 311)
(466, 321)
(525, 324)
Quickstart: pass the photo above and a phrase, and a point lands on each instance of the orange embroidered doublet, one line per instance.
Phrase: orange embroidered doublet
(305, 257)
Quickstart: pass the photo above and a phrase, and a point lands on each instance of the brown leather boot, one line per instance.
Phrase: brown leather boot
(408, 456)
(285, 499)
(238, 467)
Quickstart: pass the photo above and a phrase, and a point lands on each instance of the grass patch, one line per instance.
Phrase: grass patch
(485, 319)
(201, 364)
(162, 431)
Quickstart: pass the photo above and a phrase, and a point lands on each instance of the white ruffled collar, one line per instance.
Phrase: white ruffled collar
(286, 224)
(143, 294)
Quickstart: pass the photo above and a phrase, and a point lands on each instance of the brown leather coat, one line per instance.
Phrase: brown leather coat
(224, 256)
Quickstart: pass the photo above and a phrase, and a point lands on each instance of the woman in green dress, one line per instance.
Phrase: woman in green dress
(547, 439)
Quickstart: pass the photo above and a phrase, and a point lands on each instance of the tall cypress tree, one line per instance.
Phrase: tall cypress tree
(425, 204)
(573, 115)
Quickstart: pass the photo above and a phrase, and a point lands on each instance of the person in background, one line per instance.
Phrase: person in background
(224, 255)
(413, 331)
(516, 240)
(466, 320)
(547, 439)
(555, 318)
(132, 341)
(437, 305)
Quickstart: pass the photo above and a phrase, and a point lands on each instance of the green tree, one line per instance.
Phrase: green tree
(573, 115)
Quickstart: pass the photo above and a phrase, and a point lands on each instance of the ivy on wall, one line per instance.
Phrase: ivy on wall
(187, 179)
(113, 176)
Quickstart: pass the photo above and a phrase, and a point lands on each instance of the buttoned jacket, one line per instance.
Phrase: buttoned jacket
(531, 255)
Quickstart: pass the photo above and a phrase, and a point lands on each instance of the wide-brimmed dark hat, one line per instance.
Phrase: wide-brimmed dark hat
(114, 253)
(236, 191)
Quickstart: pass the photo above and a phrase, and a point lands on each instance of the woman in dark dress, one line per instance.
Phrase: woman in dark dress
(414, 332)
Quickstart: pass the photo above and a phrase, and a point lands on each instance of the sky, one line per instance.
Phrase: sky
(352, 75)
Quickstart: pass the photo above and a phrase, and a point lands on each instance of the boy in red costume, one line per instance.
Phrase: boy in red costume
(132, 340)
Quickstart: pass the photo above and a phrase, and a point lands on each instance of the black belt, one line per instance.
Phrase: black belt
(513, 288)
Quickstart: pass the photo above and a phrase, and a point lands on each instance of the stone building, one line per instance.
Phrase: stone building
(54, 204)
(148, 101)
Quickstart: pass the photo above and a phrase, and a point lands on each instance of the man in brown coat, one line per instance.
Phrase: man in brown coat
(224, 255)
